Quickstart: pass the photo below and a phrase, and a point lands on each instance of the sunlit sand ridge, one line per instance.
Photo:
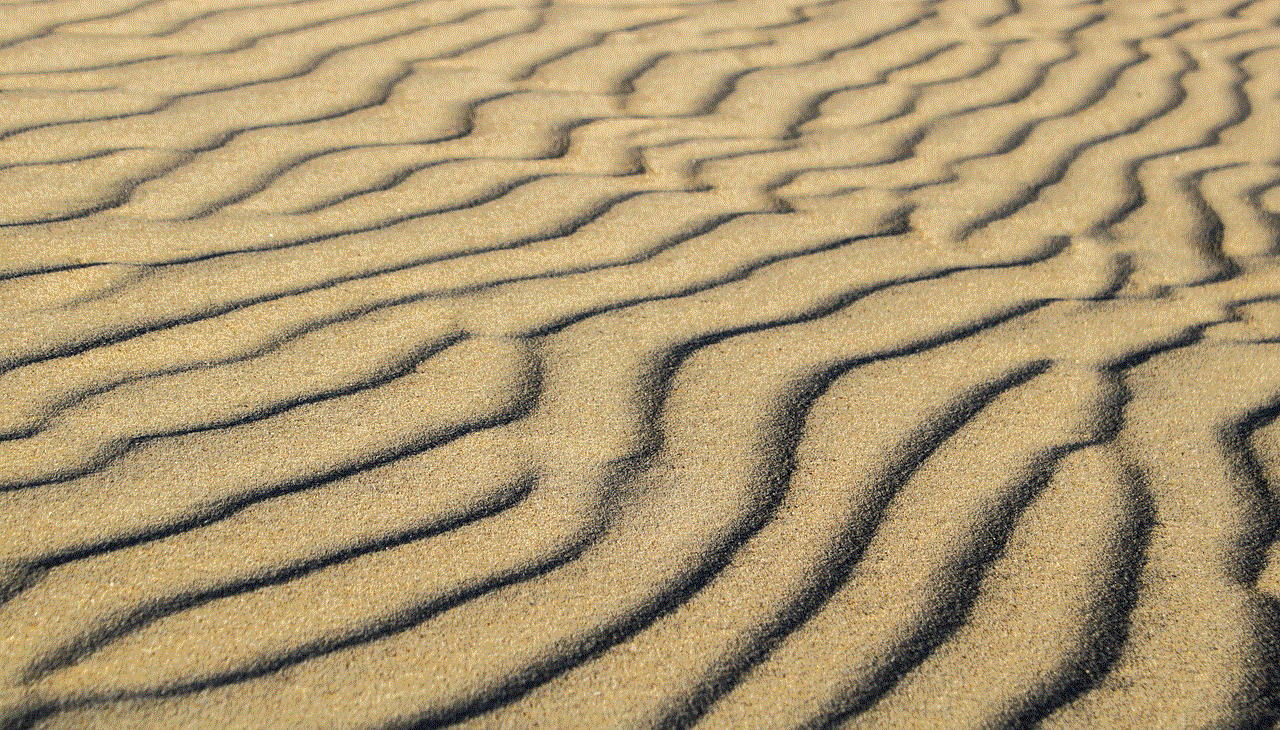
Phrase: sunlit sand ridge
(729, 364)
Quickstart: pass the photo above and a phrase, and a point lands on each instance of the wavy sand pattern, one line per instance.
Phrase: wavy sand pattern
(639, 364)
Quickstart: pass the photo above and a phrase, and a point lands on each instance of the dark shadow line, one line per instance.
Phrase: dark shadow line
(786, 430)
(1058, 171)
(50, 29)
(112, 451)
(88, 342)
(82, 646)
(812, 108)
(228, 506)
(1212, 137)
(307, 67)
(1110, 625)
(647, 614)
(834, 572)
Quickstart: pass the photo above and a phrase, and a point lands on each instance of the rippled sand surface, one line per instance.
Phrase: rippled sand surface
(727, 364)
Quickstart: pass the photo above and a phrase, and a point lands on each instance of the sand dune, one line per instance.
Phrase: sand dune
(728, 364)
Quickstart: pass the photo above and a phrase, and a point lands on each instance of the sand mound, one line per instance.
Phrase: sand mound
(854, 363)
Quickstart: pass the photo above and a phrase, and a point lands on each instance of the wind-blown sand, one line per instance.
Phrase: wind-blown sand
(654, 364)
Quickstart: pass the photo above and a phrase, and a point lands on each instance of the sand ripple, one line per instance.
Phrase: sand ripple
(662, 364)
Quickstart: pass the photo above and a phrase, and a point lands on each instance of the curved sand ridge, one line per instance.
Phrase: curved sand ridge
(866, 364)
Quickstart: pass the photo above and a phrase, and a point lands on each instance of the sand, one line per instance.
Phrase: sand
(728, 364)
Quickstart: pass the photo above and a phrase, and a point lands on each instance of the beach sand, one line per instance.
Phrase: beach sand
(737, 364)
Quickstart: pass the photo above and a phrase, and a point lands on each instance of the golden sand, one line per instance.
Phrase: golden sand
(727, 364)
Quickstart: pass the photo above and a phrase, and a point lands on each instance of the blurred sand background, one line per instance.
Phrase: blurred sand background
(737, 364)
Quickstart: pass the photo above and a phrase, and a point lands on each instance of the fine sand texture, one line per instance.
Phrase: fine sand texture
(639, 364)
